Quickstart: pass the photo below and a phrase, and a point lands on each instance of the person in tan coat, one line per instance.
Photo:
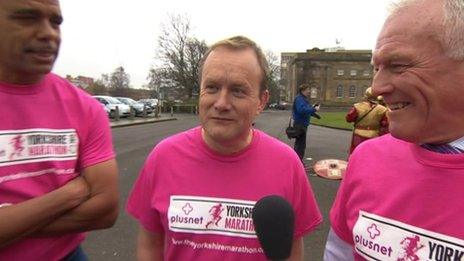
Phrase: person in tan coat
(369, 118)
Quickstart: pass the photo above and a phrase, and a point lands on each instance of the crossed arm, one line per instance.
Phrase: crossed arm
(85, 203)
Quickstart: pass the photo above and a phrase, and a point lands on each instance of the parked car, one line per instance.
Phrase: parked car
(107, 110)
(152, 103)
(283, 106)
(136, 106)
(280, 106)
(272, 106)
(111, 103)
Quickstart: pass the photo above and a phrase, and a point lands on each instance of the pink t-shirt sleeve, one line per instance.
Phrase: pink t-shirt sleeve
(338, 218)
(139, 204)
(96, 146)
(307, 213)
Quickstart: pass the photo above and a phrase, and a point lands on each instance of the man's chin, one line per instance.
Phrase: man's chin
(220, 137)
(38, 69)
(408, 136)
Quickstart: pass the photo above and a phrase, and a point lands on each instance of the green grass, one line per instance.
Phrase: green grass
(333, 119)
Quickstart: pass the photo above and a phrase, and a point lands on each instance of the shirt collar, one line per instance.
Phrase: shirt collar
(459, 143)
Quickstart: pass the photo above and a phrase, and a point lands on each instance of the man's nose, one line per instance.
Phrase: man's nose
(48, 31)
(381, 84)
(223, 100)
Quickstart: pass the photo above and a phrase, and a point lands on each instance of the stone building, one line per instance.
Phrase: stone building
(337, 77)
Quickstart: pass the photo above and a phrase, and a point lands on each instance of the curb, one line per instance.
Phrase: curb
(125, 124)
(330, 127)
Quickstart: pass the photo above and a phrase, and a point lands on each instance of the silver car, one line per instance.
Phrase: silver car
(111, 103)
(136, 106)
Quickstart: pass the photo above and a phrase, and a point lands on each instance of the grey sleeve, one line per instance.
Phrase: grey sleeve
(336, 249)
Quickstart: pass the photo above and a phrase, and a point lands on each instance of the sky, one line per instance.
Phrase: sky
(100, 35)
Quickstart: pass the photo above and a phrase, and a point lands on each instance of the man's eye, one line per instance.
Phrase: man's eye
(25, 17)
(211, 88)
(238, 92)
(399, 67)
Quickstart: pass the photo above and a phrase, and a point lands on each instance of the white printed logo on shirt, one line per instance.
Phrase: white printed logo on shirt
(37, 145)
(205, 215)
(379, 238)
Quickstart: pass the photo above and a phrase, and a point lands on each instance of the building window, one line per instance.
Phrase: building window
(339, 91)
(353, 72)
(340, 72)
(352, 91)
(366, 73)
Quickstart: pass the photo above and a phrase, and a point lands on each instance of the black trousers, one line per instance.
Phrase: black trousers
(300, 141)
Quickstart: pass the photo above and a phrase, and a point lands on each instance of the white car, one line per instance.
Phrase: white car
(111, 103)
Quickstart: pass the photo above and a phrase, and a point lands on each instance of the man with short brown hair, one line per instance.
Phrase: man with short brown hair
(199, 208)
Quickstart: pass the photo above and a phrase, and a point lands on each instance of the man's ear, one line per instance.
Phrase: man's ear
(263, 99)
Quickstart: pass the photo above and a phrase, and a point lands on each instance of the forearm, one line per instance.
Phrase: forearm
(150, 246)
(31, 215)
(99, 211)
(297, 253)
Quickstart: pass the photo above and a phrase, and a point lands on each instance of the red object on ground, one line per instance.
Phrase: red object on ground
(330, 168)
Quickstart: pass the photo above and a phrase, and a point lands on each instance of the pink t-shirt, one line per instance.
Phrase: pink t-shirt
(49, 132)
(399, 201)
(202, 201)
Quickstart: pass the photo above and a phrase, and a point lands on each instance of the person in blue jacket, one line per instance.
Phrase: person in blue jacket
(302, 112)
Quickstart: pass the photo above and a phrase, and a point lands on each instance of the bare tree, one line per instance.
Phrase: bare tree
(180, 54)
(274, 76)
(105, 79)
(119, 82)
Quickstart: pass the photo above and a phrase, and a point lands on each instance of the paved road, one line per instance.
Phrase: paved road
(133, 144)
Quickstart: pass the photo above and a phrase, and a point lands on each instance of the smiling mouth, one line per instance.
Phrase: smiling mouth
(398, 105)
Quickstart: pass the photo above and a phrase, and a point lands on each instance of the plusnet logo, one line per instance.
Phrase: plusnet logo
(373, 232)
(187, 209)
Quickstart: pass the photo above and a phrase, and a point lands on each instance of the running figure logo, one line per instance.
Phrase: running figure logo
(215, 214)
(18, 148)
(410, 246)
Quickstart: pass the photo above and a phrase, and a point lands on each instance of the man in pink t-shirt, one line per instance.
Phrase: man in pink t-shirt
(401, 197)
(58, 176)
(195, 194)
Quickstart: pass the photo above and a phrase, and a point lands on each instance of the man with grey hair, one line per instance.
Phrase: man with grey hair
(199, 208)
(401, 198)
